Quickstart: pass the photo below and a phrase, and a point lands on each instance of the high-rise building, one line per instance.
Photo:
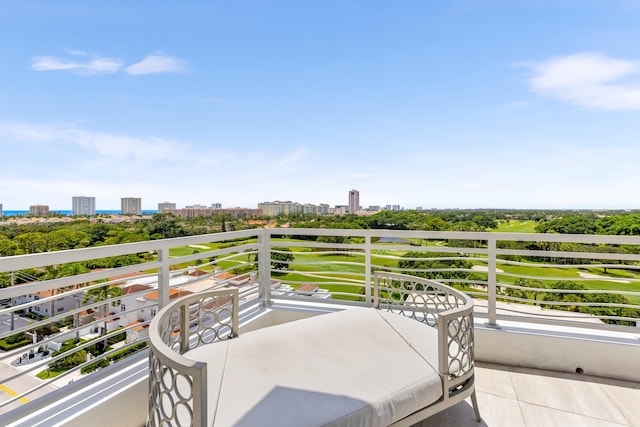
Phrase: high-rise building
(216, 205)
(39, 210)
(131, 206)
(354, 201)
(166, 205)
(83, 205)
(340, 209)
(280, 208)
(1, 214)
(271, 208)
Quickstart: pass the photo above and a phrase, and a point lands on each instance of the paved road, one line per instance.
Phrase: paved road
(9, 389)
(5, 322)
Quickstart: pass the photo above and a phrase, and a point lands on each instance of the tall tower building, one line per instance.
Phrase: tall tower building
(83, 205)
(131, 206)
(166, 205)
(39, 210)
(354, 201)
(1, 214)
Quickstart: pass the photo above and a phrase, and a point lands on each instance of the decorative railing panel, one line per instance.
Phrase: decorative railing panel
(439, 306)
(177, 385)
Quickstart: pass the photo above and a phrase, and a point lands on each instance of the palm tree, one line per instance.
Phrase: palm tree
(103, 293)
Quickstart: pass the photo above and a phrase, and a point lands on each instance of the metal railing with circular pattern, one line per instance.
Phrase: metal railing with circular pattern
(178, 385)
(439, 306)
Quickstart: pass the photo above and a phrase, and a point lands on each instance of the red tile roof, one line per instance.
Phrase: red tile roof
(198, 273)
(137, 287)
(307, 288)
(173, 293)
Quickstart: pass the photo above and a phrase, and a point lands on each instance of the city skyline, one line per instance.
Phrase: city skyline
(443, 104)
(85, 205)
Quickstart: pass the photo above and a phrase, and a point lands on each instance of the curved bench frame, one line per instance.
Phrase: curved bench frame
(178, 385)
(451, 313)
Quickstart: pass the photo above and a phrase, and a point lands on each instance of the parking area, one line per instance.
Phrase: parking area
(18, 322)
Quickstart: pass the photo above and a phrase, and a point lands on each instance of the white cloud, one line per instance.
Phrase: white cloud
(589, 80)
(75, 52)
(109, 146)
(95, 65)
(286, 162)
(153, 64)
(66, 159)
(84, 63)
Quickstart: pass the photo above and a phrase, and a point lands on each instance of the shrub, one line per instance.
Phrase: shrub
(69, 362)
(127, 352)
(14, 341)
(102, 363)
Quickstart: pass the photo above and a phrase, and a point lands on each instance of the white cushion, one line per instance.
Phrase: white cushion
(356, 367)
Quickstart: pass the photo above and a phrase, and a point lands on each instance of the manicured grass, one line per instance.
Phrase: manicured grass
(183, 251)
(354, 263)
(49, 373)
(346, 288)
(516, 226)
(570, 274)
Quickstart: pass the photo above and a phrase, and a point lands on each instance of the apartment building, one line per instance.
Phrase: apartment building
(83, 205)
(131, 206)
(39, 210)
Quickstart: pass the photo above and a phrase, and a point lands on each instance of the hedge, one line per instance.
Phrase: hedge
(4, 345)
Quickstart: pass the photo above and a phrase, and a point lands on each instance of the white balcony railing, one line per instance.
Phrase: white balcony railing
(514, 278)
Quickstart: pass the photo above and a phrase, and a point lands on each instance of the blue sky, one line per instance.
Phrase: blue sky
(439, 104)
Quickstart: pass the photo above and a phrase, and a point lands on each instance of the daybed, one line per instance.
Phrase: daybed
(360, 366)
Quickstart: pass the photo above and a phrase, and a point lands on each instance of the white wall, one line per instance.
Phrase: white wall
(615, 356)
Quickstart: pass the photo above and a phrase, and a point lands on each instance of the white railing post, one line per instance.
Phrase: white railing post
(367, 266)
(163, 278)
(492, 282)
(264, 267)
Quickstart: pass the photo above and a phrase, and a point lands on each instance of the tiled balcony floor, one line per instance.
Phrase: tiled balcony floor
(511, 397)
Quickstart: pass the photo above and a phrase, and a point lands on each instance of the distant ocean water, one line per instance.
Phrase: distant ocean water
(108, 212)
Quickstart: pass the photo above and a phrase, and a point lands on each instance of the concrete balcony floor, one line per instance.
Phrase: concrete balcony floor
(507, 396)
(511, 396)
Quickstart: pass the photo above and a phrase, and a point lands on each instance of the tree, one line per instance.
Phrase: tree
(64, 270)
(125, 236)
(522, 293)
(573, 224)
(7, 246)
(103, 293)
(98, 233)
(467, 226)
(571, 297)
(409, 266)
(30, 243)
(280, 260)
(164, 226)
(69, 362)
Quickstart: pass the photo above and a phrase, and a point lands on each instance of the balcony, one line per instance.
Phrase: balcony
(538, 364)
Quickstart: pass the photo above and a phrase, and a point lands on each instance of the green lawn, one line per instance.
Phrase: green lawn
(516, 226)
(570, 274)
(50, 373)
(340, 265)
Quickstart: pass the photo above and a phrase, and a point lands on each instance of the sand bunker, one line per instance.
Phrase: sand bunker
(605, 278)
(485, 268)
(199, 246)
